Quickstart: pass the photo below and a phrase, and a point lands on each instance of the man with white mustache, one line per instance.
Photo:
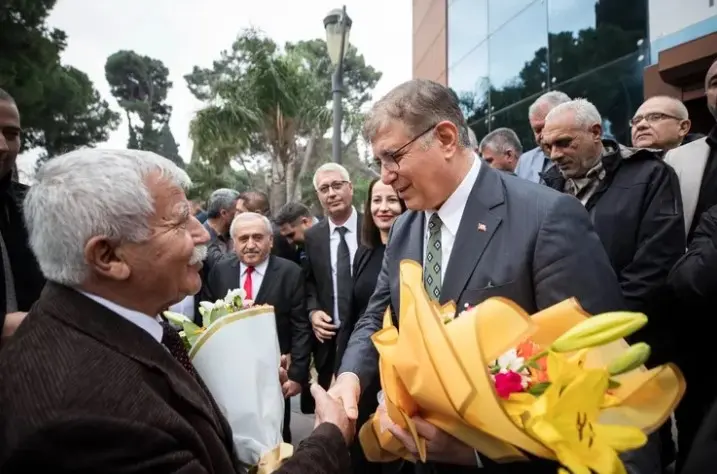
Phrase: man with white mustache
(92, 381)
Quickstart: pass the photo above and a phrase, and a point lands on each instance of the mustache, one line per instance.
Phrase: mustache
(199, 254)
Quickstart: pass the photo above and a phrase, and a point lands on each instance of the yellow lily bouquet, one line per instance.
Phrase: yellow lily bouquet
(559, 385)
(233, 351)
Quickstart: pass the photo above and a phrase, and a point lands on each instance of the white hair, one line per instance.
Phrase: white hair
(87, 193)
(586, 114)
(501, 140)
(472, 139)
(550, 99)
(680, 110)
(330, 167)
(249, 216)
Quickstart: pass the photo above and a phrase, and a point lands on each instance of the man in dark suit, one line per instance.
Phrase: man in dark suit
(268, 279)
(330, 247)
(294, 219)
(478, 232)
(20, 278)
(92, 381)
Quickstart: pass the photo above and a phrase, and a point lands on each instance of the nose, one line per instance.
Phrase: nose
(388, 176)
(3, 143)
(641, 125)
(199, 234)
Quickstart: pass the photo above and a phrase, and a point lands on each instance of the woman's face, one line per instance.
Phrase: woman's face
(385, 206)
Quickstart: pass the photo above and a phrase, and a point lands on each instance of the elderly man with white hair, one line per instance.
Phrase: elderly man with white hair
(533, 163)
(93, 381)
(634, 201)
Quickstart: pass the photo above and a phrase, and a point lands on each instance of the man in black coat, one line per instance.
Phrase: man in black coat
(256, 201)
(22, 280)
(272, 280)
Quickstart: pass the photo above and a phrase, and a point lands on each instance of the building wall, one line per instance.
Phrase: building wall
(673, 23)
(430, 40)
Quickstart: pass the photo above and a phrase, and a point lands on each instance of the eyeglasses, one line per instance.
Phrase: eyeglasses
(336, 186)
(390, 160)
(652, 117)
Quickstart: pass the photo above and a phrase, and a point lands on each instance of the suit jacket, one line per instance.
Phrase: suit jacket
(85, 390)
(283, 288)
(319, 282)
(689, 163)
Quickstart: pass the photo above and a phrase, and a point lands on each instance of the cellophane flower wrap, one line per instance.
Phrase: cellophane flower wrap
(561, 385)
(236, 353)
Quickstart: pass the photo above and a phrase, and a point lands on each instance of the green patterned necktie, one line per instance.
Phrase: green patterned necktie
(433, 260)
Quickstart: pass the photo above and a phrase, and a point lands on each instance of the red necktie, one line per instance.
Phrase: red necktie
(247, 283)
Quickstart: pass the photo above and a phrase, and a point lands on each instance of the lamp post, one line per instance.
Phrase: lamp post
(338, 26)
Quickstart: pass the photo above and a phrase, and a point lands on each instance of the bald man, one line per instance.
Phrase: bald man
(660, 123)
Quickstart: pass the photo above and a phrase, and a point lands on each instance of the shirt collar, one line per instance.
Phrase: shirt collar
(451, 211)
(259, 269)
(150, 324)
(349, 224)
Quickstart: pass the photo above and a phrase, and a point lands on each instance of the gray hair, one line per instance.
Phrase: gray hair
(87, 193)
(550, 99)
(680, 108)
(472, 139)
(417, 104)
(501, 140)
(330, 167)
(249, 216)
(223, 199)
(586, 114)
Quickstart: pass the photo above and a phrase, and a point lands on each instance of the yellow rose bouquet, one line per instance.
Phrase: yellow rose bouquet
(560, 385)
(236, 353)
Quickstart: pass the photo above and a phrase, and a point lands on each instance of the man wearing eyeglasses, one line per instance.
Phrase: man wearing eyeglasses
(661, 123)
(478, 233)
(330, 246)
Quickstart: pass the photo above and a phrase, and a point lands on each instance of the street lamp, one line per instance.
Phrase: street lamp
(338, 26)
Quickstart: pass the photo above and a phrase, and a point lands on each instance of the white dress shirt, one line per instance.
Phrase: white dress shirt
(334, 241)
(148, 323)
(256, 278)
(185, 307)
(451, 213)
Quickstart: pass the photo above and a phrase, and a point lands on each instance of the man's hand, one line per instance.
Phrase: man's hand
(323, 329)
(440, 446)
(290, 388)
(328, 410)
(347, 390)
(12, 322)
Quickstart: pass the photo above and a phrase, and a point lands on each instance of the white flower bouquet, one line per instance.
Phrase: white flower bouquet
(236, 353)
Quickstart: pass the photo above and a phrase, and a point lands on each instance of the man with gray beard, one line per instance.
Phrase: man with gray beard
(93, 381)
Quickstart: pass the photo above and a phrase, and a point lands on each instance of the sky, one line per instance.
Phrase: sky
(185, 33)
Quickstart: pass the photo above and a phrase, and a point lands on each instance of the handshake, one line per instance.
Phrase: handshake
(337, 407)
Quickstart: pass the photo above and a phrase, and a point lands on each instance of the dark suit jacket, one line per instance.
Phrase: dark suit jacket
(535, 246)
(283, 288)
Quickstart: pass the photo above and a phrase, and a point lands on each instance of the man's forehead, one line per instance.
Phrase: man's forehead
(390, 138)
(711, 73)
(328, 177)
(656, 104)
(9, 115)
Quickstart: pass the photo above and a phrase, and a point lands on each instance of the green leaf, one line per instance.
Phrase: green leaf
(538, 388)
(176, 318)
(613, 384)
(533, 364)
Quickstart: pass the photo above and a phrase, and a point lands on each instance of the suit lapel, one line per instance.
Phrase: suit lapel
(481, 218)
(411, 250)
(269, 280)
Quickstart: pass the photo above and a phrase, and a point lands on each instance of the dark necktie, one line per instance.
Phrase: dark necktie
(173, 342)
(344, 282)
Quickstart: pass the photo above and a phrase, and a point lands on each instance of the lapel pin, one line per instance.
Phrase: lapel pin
(482, 227)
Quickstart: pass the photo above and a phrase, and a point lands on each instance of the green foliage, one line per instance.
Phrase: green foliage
(141, 84)
(60, 108)
(206, 178)
(265, 102)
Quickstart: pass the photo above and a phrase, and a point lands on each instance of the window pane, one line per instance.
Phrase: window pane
(501, 12)
(585, 34)
(480, 128)
(467, 27)
(516, 118)
(616, 91)
(469, 79)
(518, 57)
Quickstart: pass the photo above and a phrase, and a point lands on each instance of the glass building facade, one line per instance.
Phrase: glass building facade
(503, 54)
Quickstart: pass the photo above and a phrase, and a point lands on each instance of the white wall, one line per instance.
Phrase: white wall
(671, 16)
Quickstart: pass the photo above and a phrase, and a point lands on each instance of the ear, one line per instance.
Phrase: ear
(685, 126)
(448, 136)
(271, 241)
(596, 132)
(105, 258)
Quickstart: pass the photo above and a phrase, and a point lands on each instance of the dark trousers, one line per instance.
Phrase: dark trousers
(286, 432)
(324, 362)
